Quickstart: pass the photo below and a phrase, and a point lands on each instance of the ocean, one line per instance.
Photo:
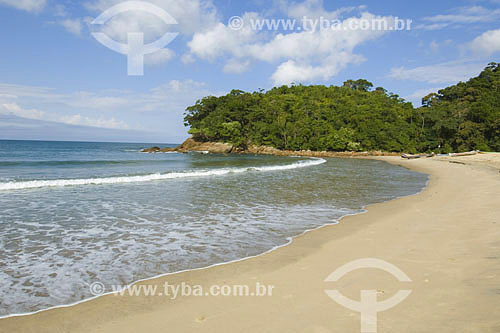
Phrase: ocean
(76, 213)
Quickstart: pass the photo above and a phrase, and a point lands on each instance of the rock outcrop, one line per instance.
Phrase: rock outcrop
(212, 147)
(167, 150)
(191, 145)
(151, 150)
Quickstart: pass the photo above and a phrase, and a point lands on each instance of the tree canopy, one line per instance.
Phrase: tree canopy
(354, 117)
(465, 116)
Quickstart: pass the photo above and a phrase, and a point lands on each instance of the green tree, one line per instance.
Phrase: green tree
(354, 117)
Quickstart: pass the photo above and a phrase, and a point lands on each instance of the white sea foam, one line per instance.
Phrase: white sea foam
(152, 177)
(57, 244)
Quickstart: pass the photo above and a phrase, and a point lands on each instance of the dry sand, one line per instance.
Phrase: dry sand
(446, 239)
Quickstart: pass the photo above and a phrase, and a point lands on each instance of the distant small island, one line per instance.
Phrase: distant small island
(354, 117)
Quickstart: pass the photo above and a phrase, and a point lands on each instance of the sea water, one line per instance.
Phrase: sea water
(73, 213)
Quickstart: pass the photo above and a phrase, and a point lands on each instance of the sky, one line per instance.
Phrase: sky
(58, 82)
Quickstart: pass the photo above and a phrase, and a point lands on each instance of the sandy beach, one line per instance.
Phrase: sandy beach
(446, 239)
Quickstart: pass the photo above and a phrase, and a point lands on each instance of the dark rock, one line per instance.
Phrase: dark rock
(151, 150)
(167, 150)
(212, 147)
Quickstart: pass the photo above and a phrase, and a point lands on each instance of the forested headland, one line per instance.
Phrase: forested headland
(355, 117)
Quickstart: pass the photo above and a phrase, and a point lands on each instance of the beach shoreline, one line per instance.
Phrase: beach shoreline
(310, 257)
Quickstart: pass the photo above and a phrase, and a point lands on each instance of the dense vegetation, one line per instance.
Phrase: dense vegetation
(355, 117)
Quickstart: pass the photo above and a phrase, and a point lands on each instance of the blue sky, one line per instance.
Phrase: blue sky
(59, 83)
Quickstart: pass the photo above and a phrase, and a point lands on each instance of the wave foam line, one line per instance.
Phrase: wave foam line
(152, 177)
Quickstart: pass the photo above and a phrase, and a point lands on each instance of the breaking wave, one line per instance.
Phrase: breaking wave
(152, 177)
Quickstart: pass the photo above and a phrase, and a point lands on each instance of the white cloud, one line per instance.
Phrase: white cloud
(487, 43)
(76, 119)
(15, 90)
(27, 5)
(460, 16)
(173, 92)
(73, 26)
(7, 96)
(159, 57)
(219, 40)
(417, 96)
(298, 56)
(187, 59)
(315, 9)
(60, 10)
(301, 56)
(236, 66)
(293, 72)
(161, 108)
(172, 97)
(16, 110)
(191, 15)
(433, 26)
(93, 101)
(434, 46)
(451, 72)
(79, 99)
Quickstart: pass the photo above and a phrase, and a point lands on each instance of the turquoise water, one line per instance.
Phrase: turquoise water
(72, 214)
